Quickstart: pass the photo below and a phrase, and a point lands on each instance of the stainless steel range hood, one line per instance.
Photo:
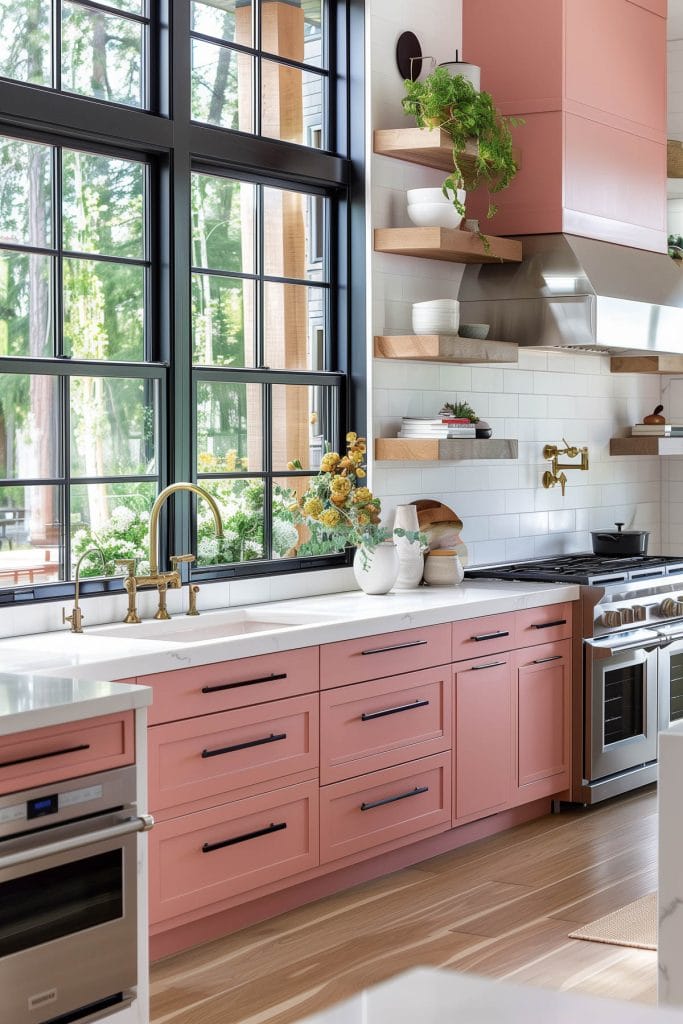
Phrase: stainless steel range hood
(574, 292)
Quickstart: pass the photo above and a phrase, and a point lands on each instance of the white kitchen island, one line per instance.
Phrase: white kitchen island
(670, 892)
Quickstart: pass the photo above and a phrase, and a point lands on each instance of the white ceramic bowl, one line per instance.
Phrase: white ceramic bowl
(434, 215)
(433, 195)
(443, 321)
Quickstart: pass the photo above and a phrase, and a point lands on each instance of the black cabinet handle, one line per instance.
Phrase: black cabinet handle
(491, 664)
(542, 661)
(273, 738)
(41, 757)
(548, 625)
(490, 636)
(368, 716)
(244, 682)
(393, 799)
(395, 647)
(210, 847)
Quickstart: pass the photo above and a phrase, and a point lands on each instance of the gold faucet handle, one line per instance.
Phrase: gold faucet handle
(129, 564)
(177, 560)
(75, 620)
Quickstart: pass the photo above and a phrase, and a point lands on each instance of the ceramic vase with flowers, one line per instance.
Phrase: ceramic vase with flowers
(338, 506)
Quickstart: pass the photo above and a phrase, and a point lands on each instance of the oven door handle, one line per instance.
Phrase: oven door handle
(600, 653)
(143, 823)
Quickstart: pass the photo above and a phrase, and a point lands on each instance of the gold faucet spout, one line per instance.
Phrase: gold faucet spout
(76, 617)
(156, 510)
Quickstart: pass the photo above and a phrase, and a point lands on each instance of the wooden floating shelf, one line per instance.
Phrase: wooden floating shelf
(448, 244)
(444, 348)
(400, 449)
(646, 364)
(429, 148)
(646, 446)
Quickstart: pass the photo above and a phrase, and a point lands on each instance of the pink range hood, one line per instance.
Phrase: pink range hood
(589, 203)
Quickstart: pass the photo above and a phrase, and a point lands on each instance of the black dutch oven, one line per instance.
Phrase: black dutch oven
(622, 542)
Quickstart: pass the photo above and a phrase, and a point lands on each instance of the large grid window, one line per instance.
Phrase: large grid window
(175, 292)
(90, 49)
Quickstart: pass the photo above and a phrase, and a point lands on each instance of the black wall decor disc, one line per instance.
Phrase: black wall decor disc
(409, 56)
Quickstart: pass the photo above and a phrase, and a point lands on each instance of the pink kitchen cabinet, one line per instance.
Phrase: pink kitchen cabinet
(487, 634)
(394, 806)
(198, 859)
(542, 707)
(483, 737)
(216, 755)
(378, 724)
(371, 657)
(58, 752)
(231, 684)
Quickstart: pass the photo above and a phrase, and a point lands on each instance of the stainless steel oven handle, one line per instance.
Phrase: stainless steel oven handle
(600, 652)
(143, 823)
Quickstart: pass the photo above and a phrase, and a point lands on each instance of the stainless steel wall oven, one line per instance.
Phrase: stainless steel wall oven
(68, 893)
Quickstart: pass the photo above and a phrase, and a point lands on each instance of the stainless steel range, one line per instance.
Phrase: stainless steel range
(628, 662)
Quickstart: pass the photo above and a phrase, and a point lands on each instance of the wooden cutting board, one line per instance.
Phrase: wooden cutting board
(441, 525)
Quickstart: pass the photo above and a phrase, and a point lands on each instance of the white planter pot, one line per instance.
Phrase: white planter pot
(376, 569)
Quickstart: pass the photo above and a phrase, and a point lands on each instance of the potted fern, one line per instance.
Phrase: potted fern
(450, 102)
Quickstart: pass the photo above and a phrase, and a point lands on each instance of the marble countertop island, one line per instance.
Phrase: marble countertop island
(670, 892)
(431, 996)
(32, 701)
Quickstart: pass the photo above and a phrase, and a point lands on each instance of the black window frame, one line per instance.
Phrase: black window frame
(174, 145)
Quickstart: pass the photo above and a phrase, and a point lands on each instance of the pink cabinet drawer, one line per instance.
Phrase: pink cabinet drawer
(543, 625)
(487, 634)
(57, 752)
(231, 684)
(382, 723)
(370, 657)
(384, 807)
(221, 754)
(199, 859)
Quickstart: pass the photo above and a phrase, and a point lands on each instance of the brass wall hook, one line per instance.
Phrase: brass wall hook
(553, 452)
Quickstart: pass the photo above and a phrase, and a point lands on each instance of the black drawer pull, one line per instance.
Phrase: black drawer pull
(41, 757)
(210, 847)
(548, 625)
(491, 664)
(490, 636)
(393, 799)
(273, 738)
(245, 682)
(368, 716)
(395, 647)
(553, 657)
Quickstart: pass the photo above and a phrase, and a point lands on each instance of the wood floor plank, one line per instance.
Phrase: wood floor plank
(501, 907)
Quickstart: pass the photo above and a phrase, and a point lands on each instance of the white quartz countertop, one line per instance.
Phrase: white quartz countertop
(33, 701)
(127, 651)
(445, 997)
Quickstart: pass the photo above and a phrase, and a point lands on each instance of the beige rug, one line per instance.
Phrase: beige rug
(632, 925)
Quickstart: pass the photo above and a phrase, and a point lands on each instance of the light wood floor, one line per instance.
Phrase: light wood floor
(501, 907)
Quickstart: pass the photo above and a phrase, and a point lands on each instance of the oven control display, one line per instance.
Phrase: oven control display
(41, 806)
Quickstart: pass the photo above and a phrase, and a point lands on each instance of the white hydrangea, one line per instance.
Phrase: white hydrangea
(208, 548)
(285, 536)
(122, 518)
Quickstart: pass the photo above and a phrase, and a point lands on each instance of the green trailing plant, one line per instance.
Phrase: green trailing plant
(451, 102)
(676, 247)
(459, 410)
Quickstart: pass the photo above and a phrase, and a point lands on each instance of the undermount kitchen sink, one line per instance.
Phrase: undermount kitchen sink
(217, 625)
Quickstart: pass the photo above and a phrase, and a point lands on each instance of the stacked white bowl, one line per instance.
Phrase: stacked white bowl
(438, 316)
(430, 208)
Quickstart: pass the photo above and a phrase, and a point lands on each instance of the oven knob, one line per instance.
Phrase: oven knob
(613, 618)
(639, 613)
(669, 608)
(628, 615)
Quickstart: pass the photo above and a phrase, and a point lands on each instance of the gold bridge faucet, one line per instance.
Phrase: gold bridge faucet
(553, 452)
(164, 581)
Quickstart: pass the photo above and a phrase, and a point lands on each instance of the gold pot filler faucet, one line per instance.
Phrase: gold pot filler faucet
(163, 581)
(553, 452)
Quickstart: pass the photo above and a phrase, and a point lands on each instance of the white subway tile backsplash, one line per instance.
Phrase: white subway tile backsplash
(532, 523)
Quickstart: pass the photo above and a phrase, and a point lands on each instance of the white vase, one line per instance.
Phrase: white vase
(443, 568)
(410, 557)
(376, 569)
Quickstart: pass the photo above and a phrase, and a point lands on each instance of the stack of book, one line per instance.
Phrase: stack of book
(657, 430)
(442, 429)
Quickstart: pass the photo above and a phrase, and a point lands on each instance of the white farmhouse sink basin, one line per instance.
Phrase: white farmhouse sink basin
(183, 629)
